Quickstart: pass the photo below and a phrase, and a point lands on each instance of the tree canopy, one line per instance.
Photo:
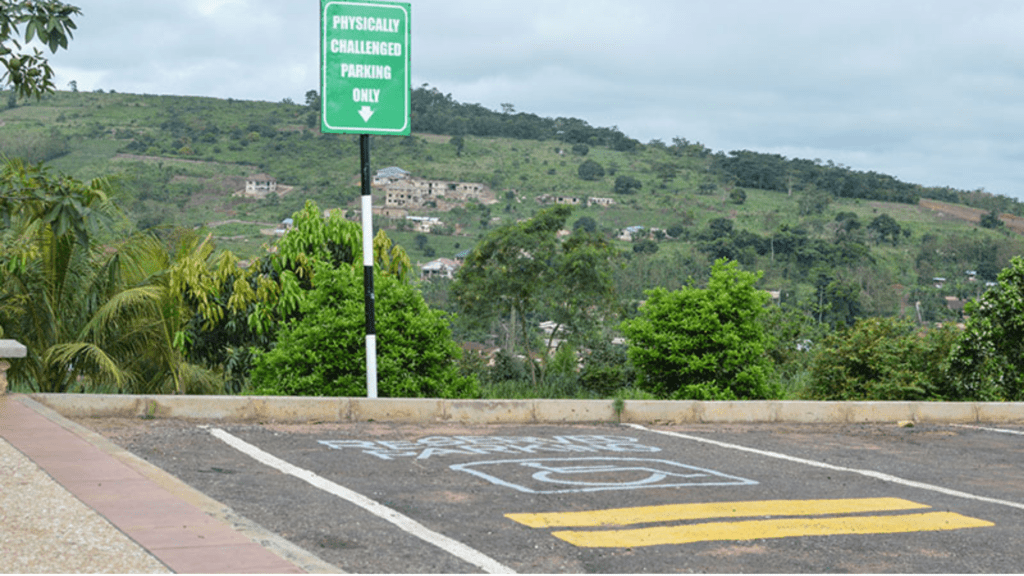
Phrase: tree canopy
(987, 362)
(590, 170)
(22, 21)
(112, 317)
(322, 353)
(438, 113)
(703, 343)
(523, 270)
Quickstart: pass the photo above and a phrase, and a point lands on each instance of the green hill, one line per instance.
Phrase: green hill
(816, 230)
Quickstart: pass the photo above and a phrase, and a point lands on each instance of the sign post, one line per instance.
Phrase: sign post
(365, 89)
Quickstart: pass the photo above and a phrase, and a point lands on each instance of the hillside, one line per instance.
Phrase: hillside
(816, 230)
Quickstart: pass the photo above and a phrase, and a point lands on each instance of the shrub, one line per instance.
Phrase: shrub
(987, 362)
(627, 185)
(590, 170)
(606, 369)
(881, 359)
(704, 344)
(323, 352)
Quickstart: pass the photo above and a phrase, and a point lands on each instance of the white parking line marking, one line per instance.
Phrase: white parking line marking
(868, 473)
(454, 547)
(1004, 431)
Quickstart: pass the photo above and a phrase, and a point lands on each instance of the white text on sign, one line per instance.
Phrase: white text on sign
(362, 23)
(373, 72)
(366, 47)
(365, 95)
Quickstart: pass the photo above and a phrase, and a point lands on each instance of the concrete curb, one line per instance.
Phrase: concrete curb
(432, 410)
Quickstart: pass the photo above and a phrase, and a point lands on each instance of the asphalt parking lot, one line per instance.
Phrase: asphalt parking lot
(450, 498)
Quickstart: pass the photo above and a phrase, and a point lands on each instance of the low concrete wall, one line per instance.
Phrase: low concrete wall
(431, 410)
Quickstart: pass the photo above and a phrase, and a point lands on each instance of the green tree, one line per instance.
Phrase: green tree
(627, 185)
(707, 187)
(110, 317)
(584, 295)
(587, 223)
(793, 334)
(48, 281)
(323, 353)
(313, 100)
(813, 201)
(219, 334)
(522, 271)
(318, 319)
(645, 246)
(335, 241)
(459, 142)
(991, 219)
(665, 171)
(245, 309)
(590, 170)
(21, 22)
(151, 316)
(606, 368)
(706, 344)
(313, 109)
(838, 303)
(885, 228)
(987, 362)
(881, 359)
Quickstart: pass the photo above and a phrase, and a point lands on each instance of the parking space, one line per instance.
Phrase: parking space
(373, 497)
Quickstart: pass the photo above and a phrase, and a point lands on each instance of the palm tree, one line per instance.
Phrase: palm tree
(92, 317)
(142, 326)
(48, 283)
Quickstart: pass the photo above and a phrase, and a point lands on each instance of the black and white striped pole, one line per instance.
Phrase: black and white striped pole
(368, 295)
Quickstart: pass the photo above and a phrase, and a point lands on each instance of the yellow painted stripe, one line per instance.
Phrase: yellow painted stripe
(780, 528)
(673, 512)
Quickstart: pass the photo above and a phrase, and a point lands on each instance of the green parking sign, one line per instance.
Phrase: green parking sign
(364, 67)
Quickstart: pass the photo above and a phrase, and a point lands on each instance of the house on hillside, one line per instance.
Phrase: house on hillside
(259, 185)
(283, 228)
(420, 193)
(632, 232)
(390, 174)
(440, 268)
(424, 224)
(485, 352)
(955, 304)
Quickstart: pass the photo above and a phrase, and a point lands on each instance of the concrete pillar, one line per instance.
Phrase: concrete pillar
(9, 349)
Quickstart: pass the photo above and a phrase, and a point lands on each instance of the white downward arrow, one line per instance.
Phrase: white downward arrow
(365, 112)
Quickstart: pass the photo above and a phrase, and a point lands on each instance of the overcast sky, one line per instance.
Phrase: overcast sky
(931, 92)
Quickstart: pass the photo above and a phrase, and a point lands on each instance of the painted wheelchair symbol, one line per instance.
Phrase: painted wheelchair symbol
(565, 475)
(654, 475)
